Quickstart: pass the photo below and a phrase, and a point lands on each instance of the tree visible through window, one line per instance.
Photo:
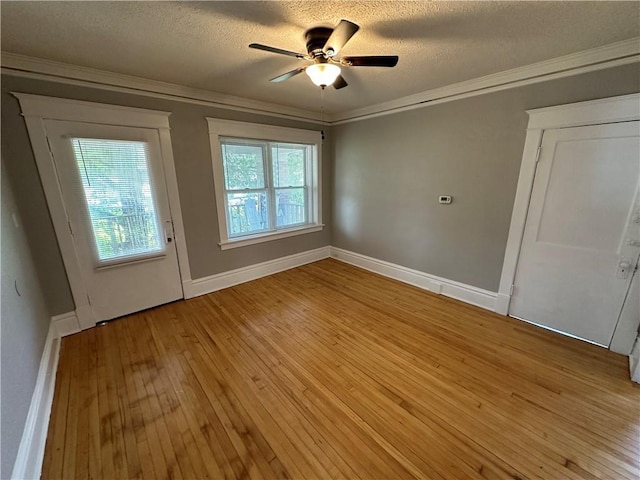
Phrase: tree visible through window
(267, 181)
(120, 204)
(266, 185)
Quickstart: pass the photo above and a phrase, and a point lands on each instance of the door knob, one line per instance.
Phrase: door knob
(633, 243)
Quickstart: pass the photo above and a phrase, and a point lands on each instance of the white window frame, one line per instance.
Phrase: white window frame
(254, 131)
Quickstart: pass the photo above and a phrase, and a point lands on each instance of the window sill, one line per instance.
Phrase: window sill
(267, 237)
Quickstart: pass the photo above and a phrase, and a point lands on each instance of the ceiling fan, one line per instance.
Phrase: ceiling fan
(323, 44)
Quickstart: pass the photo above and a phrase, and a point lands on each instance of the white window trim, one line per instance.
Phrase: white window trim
(229, 128)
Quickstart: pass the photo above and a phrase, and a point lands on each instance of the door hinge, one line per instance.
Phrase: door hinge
(70, 229)
(88, 299)
(538, 153)
(512, 290)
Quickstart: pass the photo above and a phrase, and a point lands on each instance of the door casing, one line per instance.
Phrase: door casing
(36, 109)
(608, 110)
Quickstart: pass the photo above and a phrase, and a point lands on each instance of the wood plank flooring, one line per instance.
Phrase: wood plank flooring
(329, 371)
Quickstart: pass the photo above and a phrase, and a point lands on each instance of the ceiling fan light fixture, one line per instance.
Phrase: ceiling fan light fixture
(323, 74)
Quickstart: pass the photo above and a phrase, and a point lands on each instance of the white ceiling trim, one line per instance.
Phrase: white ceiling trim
(615, 54)
(32, 67)
(607, 56)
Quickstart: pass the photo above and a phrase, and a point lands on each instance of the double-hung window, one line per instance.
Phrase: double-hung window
(267, 181)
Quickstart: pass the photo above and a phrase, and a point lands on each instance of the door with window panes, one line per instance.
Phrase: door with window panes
(114, 192)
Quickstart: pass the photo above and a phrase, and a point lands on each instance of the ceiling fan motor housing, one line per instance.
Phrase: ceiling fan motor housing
(316, 39)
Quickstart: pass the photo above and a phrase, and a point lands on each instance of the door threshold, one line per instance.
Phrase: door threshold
(559, 331)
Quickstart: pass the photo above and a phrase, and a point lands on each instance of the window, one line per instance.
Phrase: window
(266, 180)
(119, 198)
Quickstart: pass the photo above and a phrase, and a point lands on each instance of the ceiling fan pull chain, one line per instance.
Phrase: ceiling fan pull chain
(322, 111)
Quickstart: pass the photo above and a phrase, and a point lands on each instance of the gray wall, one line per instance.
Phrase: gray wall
(195, 182)
(390, 170)
(25, 323)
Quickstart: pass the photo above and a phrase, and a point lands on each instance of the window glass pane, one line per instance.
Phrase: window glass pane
(116, 186)
(247, 212)
(288, 162)
(290, 206)
(243, 166)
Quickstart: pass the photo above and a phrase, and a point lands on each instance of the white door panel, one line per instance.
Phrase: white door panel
(114, 191)
(580, 228)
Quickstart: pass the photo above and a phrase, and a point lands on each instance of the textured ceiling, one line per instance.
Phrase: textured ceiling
(204, 44)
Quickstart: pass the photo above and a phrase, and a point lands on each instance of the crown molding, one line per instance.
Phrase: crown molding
(612, 55)
(608, 56)
(32, 67)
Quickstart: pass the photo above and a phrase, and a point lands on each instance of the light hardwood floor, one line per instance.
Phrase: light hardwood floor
(329, 371)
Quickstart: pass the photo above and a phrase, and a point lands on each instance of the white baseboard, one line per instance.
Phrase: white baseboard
(202, 286)
(450, 288)
(28, 463)
(66, 324)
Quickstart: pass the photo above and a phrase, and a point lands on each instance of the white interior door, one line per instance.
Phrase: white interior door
(113, 187)
(582, 235)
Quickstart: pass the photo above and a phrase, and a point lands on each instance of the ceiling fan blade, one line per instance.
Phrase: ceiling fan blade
(280, 51)
(372, 61)
(340, 82)
(285, 76)
(340, 36)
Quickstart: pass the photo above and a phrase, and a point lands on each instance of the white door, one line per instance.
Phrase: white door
(115, 197)
(582, 235)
